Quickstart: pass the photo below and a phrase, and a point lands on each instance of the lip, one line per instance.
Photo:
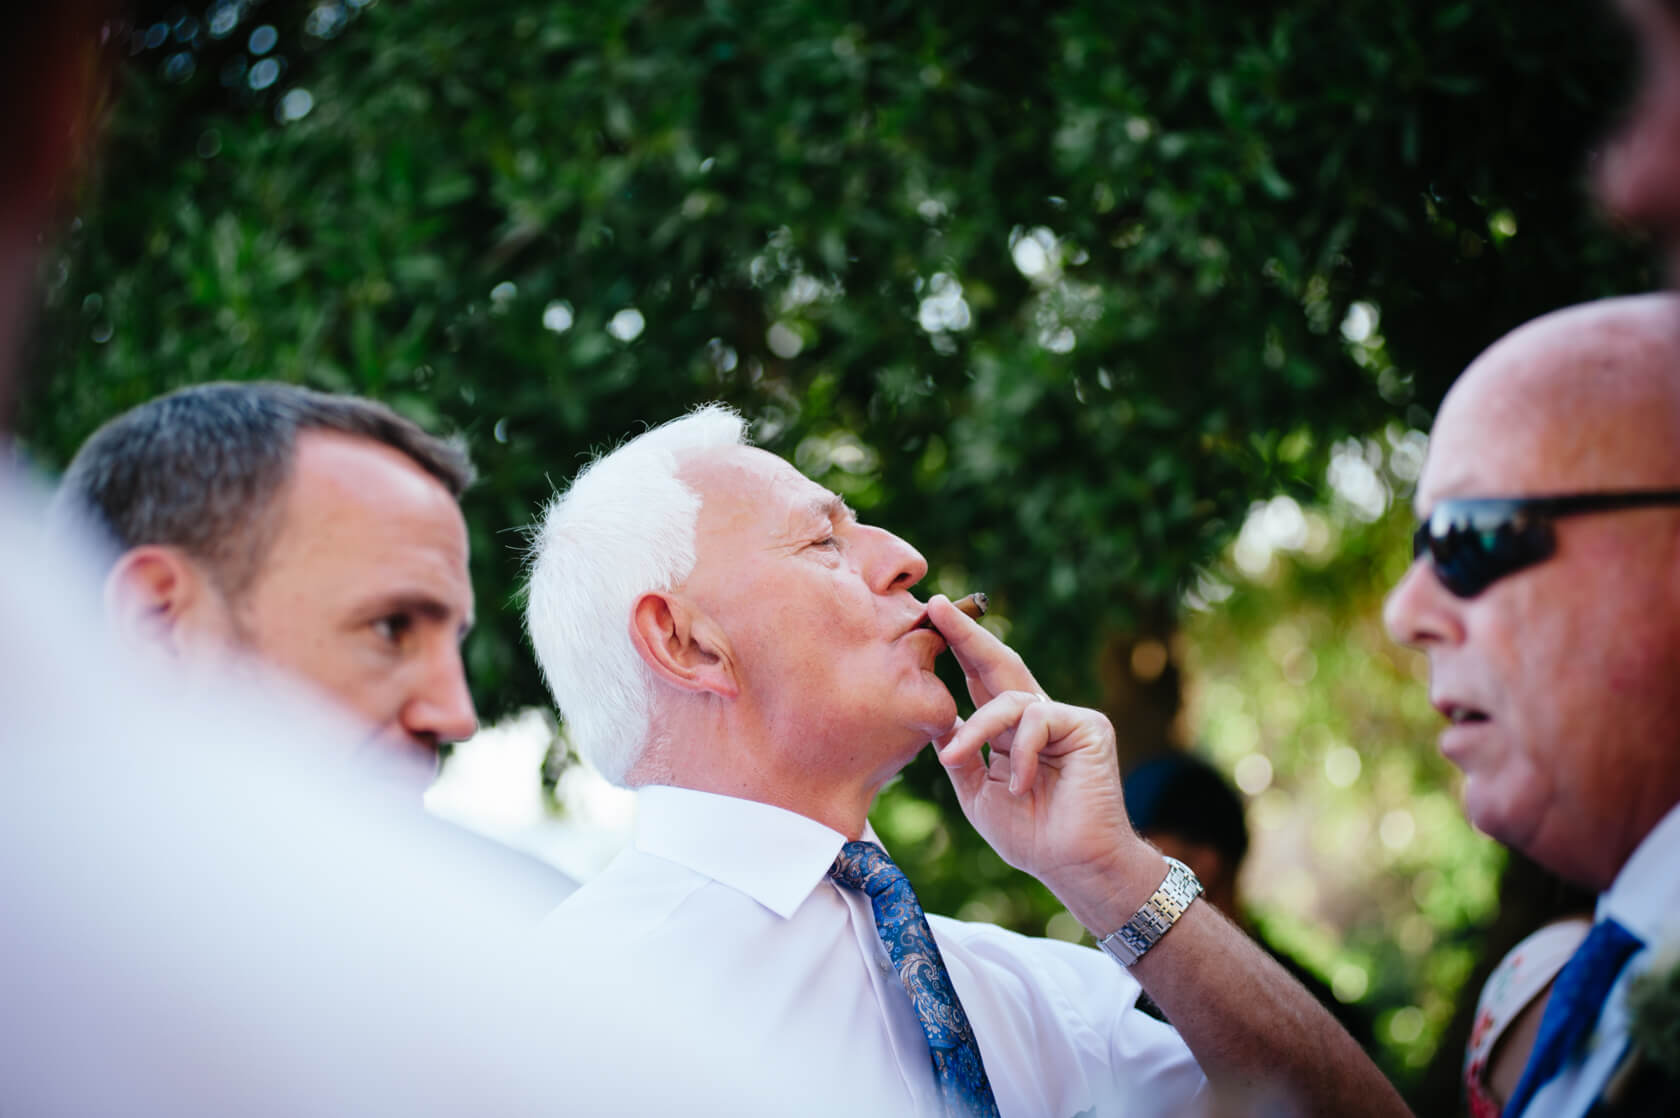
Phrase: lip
(920, 623)
(1457, 738)
(934, 636)
(1448, 706)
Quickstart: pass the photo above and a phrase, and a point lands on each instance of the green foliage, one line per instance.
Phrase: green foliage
(1072, 276)
(1055, 291)
(1363, 865)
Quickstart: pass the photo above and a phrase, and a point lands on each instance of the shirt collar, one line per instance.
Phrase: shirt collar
(772, 855)
(1645, 896)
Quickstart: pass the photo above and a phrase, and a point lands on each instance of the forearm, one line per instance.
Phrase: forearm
(1255, 1031)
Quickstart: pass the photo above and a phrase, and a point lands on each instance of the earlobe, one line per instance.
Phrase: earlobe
(682, 646)
(148, 594)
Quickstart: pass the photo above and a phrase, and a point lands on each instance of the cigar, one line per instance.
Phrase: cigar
(973, 604)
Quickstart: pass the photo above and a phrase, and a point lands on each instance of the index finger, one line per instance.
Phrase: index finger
(990, 666)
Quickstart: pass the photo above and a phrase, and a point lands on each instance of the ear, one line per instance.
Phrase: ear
(154, 595)
(682, 645)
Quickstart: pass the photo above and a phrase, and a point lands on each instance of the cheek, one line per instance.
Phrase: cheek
(377, 693)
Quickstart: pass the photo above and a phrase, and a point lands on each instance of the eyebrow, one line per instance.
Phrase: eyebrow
(424, 605)
(832, 508)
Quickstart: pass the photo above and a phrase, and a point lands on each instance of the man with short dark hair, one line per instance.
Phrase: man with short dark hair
(312, 533)
(1546, 594)
(319, 533)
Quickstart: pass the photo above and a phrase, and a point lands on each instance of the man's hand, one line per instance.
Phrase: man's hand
(1049, 801)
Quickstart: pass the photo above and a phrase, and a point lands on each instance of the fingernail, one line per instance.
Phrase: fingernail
(1014, 784)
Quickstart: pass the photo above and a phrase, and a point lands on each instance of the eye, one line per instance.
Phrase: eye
(393, 627)
(826, 541)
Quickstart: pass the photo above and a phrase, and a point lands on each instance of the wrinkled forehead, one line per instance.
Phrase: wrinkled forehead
(1584, 399)
(751, 498)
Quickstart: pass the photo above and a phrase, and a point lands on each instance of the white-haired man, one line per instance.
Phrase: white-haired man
(723, 634)
(1546, 593)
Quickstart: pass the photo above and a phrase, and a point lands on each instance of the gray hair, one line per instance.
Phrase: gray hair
(200, 468)
(624, 527)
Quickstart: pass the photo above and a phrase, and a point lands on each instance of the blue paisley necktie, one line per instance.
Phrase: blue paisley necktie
(1577, 996)
(903, 927)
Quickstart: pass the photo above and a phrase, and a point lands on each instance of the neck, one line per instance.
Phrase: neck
(828, 777)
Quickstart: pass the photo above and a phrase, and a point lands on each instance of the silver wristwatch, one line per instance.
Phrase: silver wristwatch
(1159, 913)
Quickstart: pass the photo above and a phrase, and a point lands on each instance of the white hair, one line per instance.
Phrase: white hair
(624, 527)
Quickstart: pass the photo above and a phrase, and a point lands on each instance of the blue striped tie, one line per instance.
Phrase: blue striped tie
(903, 927)
(1577, 997)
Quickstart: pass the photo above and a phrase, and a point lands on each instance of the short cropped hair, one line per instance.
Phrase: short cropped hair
(623, 528)
(200, 468)
(1180, 794)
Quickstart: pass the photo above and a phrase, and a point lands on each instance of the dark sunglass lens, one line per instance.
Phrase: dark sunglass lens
(1469, 560)
(1471, 552)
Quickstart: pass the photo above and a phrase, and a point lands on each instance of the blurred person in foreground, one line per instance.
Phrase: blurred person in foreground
(1189, 811)
(317, 533)
(1546, 595)
(195, 922)
(724, 635)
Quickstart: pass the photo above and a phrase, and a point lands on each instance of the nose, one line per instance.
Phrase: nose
(1420, 612)
(440, 708)
(890, 563)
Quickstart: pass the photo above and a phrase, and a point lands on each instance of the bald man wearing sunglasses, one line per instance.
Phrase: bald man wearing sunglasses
(1546, 594)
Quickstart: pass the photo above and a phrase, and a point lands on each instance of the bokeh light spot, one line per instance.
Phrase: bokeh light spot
(1253, 774)
(1341, 766)
(784, 341)
(1349, 982)
(1406, 1024)
(295, 105)
(557, 316)
(264, 73)
(627, 325)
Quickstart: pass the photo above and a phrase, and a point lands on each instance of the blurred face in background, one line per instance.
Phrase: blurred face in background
(1639, 178)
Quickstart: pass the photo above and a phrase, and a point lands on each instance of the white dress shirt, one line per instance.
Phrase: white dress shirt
(1644, 899)
(722, 907)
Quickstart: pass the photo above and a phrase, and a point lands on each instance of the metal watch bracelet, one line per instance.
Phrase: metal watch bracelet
(1158, 914)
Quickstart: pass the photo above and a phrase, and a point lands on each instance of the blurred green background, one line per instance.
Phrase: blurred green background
(1131, 315)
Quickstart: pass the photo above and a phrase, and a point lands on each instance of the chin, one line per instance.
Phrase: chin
(1479, 810)
(939, 722)
(1492, 814)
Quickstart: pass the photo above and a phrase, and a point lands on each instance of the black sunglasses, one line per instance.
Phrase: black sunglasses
(1473, 542)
